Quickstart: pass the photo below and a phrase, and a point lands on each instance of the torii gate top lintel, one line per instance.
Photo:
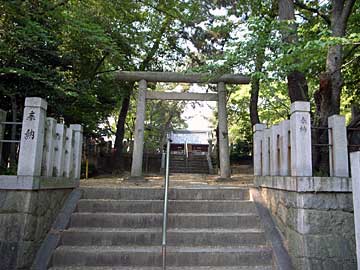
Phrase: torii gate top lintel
(178, 77)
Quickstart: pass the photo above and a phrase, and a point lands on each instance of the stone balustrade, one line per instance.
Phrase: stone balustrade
(314, 214)
(50, 152)
(285, 149)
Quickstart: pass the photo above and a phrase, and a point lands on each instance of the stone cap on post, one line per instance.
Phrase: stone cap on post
(36, 102)
(300, 106)
(259, 127)
(77, 127)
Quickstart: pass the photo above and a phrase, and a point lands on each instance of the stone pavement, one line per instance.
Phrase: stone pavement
(176, 180)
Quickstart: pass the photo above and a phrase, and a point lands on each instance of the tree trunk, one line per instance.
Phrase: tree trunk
(254, 96)
(297, 84)
(255, 87)
(120, 128)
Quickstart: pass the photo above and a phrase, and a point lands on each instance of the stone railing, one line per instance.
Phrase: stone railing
(314, 214)
(286, 149)
(50, 152)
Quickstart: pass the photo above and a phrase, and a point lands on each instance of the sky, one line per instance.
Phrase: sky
(198, 118)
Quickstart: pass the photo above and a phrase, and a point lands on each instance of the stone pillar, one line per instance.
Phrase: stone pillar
(285, 158)
(69, 154)
(59, 150)
(300, 128)
(32, 137)
(355, 176)
(338, 154)
(137, 157)
(78, 143)
(49, 147)
(257, 151)
(274, 150)
(224, 154)
(265, 149)
(2, 131)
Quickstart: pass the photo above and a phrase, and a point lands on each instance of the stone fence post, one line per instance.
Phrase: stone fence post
(32, 138)
(274, 150)
(338, 154)
(2, 131)
(300, 128)
(285, 159)
(69, 153)
(355, 172)
(265, 149)
(59, 150)
(257, 140)
(78, 142)
(49, 147)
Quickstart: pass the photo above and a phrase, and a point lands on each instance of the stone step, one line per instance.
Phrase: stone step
(146, 220)
(174, 193)
(189, 165)
(190, 171)
(151, 256)
(160, 268)
(156, 206)
(151, 237)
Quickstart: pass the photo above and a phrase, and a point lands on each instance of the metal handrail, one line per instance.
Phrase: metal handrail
(165, 213)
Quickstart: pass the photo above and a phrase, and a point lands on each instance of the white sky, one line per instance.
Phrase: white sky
(198, 118)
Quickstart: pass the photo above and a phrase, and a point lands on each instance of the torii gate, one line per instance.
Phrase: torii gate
(175, 77)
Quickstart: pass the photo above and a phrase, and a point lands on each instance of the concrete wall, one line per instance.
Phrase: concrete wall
(25, 219)
(317, 223)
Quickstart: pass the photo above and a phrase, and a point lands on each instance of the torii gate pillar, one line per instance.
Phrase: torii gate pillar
(224, 154)
(137, 157)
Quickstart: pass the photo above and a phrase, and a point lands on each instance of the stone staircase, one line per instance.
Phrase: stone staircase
(120, 228)
(192, 164)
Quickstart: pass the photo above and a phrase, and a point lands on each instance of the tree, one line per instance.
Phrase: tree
(331, 81)
(297, 84)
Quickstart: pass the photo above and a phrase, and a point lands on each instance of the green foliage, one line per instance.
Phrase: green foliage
(63, 50)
